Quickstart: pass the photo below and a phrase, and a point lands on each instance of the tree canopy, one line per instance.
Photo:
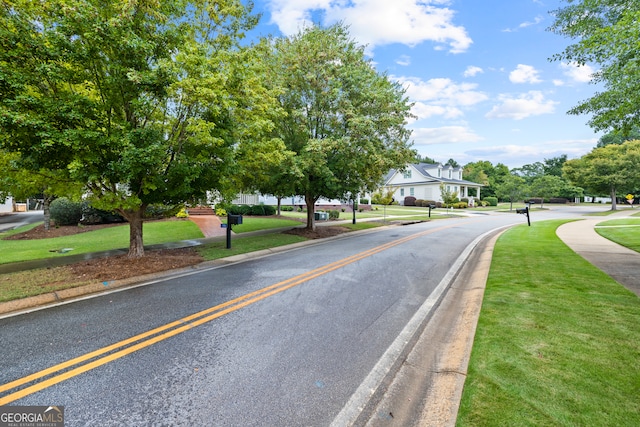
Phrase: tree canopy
(143, 102)
(607, 169)
(345, 122)
(606, 33)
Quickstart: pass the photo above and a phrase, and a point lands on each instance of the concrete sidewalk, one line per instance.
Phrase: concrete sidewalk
(621, 263)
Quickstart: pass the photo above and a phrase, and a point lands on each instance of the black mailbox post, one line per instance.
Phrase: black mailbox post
(431, 207)
(524, 211)
(231, 221)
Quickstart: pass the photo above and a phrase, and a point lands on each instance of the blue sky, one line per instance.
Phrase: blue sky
(478, 72)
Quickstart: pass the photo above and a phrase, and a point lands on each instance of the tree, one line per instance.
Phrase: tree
(512, 188)
(530, 171)
(485, 173)
(345, 122)
(449, 197)
(606, 169)
(142, 102)
(423, 159)
(452, 163)
(618, 137)
(606, 32)
(553, 166)
(546, 186)
(22, 183)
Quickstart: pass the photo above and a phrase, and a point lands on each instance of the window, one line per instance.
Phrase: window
(411, 192)
(449, 173)
(407, 174)
(439, 173)
(402, 192)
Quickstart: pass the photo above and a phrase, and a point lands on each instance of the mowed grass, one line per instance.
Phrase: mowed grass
(557, 343)
(255, 223)
(116, 237)
(625, 232)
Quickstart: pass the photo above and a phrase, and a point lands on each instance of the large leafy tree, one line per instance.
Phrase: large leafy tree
(546, 186)
(607, 170)
(619, 137)
(606, 33)
(142, 101)
(485, 173)
(345, 122)
(22, 183)
(512, 188)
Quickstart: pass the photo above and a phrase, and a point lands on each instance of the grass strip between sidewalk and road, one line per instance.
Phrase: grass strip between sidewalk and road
(557, 342)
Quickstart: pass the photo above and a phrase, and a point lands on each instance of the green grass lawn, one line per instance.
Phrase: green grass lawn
(557, 343)
(624, 231)
(254, 223)
(116, 237)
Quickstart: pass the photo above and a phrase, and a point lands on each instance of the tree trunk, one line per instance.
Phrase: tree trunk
(47, 212)
(311, 205)
(279, 204)
(614, 205)
(135, 220)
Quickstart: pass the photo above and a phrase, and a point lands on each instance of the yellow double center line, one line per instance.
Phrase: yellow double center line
(104, 355)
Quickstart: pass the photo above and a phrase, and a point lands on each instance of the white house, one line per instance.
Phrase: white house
(423, 181)
(7, 205)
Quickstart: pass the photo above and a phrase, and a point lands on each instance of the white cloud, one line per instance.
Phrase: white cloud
(518, 155)
(442, 91)
(377, 22)
(444, 135)
(532, 103)
(404, 60)
(536, 21)
(524, 74)
(425, 111)
(472, 70)
(578, 73)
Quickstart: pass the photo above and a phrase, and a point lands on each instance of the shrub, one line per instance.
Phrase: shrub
(238, 209)
(65, 212)
(91, 215)
(261, 210)
(221, 212)
(286, 208)
(182, 213)
(161, 211)
(364, 201)
(461, 205)
(465, 199)
(419, 202)
(558, 200)
(409, 201)
(334, 214)
(492, 201)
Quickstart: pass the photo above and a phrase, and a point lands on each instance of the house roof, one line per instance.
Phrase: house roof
(424, 168)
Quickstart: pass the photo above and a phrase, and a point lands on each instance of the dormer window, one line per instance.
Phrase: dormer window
(449, 173)
(407, 174)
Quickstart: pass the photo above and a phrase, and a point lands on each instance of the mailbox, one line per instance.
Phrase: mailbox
(525, 211)
(234, 219)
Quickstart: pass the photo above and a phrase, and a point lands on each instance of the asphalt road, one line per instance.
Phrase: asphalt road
(283, 340)
(11, 221)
